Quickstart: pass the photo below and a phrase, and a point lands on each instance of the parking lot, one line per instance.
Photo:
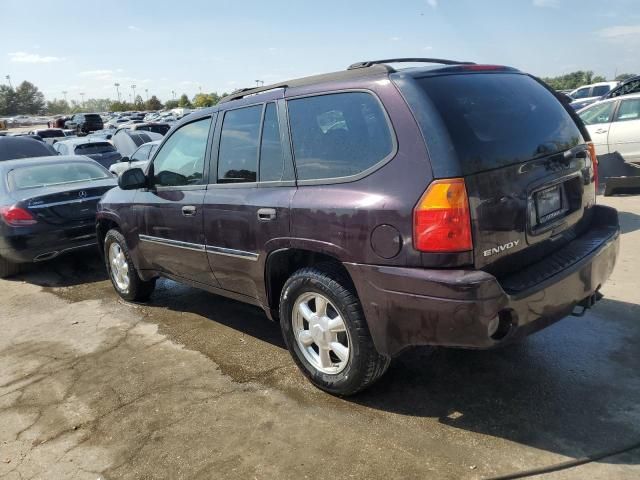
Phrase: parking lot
(197, 386)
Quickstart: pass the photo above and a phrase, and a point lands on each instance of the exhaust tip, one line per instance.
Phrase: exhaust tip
(500, 326)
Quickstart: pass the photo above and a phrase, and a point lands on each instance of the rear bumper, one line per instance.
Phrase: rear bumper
(34, 246)
(406, 306)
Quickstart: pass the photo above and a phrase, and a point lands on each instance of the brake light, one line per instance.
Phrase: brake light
(17, 217)
(594, 162)
(482, 68)
(441, 219)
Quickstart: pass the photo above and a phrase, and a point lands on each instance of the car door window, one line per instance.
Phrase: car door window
(238, 153)
(629, 110)
(600, 113)
(180, 161)
(627, 88)
(142, 153)
(271, 154)
(581, 93)
(601, 90)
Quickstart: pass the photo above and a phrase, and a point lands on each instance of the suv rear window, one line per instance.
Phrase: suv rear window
(338, 135)
(496, 120)
(92, 118)
(92, 148)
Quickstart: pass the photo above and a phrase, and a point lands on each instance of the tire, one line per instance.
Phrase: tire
(128, 285)
(8, 269)
(351, 371)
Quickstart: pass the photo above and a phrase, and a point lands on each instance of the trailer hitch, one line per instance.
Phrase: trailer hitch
(587, 303)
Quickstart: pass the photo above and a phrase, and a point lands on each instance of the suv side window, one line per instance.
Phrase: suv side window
(600, 90)
(338, 135)
(180, 161)
(238, 152)
(271, 154)
(629, 110)
(581, 93)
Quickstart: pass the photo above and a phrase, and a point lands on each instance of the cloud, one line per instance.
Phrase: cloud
(546, 3)
(427, 48)
(24, 57)
(619, 32)
(395, 39)
(133, 28)
(95, 73)
(432, 3)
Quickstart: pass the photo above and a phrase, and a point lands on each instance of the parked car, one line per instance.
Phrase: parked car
(371, 210)
(127, 141)
(588, 94)
(47, 208)
(614, 127)
(95, 148)
(155, 127)
(23, 147)
(139, 158)
(49, 135)
(630, 86)
(104, 134)
(85, 123)
(116, 122)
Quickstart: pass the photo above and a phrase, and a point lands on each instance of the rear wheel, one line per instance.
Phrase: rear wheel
(326, 332)
(7, 268)
(122, 271)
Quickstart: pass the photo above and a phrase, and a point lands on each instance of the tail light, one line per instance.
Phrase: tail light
(441, 219)
(17, 217)
(594, 162)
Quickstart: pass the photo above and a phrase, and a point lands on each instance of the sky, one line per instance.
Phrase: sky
(191, 45)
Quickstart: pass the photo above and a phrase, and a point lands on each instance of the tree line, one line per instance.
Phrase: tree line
(573, 80)
(27, 99)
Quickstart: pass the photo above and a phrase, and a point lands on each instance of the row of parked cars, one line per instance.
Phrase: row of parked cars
(367, 210)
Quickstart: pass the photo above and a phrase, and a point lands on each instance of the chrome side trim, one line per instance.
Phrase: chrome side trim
(172, 243)
(229, 252)
(54, 204)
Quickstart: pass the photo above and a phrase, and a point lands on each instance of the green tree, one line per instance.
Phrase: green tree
(625, 76)
(29, 99)
(571, 80)
(169, 104)
(8, 100)
(598, 78)
(153, 103)
(203, 100)
(57, 107)
(184, 101)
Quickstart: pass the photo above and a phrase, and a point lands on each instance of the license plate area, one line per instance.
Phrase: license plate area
(549, 205)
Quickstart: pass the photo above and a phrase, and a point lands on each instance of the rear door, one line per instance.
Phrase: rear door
(624, 134)
(597, 119)
(524, 162)
(247, 206)
(170, 214)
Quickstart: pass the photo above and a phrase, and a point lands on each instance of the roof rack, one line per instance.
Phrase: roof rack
(442, 61)
(244, 92)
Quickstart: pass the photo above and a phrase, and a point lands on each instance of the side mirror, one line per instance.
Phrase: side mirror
(132, 179)
(125, 159)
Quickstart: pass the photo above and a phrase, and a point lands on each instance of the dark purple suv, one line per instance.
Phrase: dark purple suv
(373, 209)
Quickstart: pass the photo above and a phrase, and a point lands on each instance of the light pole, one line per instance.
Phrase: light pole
(82, 96)
(146, 91)
(173, 92)
(117, 85)
(64, 92)
(133, 87)
(8, 77)
(259, 83)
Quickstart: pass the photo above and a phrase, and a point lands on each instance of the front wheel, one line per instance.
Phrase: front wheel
(326, 332)
(122, 271)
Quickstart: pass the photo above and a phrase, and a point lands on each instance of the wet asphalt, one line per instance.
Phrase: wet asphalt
(569, 392)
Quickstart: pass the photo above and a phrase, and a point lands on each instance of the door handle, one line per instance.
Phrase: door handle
(266, 214)
(189, 211)
(601, 131)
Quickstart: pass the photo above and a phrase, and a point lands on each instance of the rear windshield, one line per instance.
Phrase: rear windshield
(93, 148)
(496, 120)
(161, 129)
(93, 118)
(50, 133)
(54, 174)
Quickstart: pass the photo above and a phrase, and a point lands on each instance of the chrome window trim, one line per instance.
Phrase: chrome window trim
(230, 252)
(53, 204)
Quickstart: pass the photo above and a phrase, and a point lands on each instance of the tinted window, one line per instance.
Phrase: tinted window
(599, 113)
(338, 135)
(55, 174)
(629, 110)
(11, 147)
(581, 93)
(271, 155)
(630, 87)
(161, 129)
(601, 90)
(180, 161)
(92, 118)
(500, 119)
(50, 133)
(93, 148)
(238, 157)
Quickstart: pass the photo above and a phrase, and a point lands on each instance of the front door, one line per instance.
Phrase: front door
(247, 208)
(598, 120)
(170, 213)
(624, 133)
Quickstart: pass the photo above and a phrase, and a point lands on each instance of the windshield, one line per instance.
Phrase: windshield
(496, 120)
(93, 148)
(50, 133)
(54, 174)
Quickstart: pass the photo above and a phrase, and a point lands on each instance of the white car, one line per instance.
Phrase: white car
(588, 94)
(614, 126)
